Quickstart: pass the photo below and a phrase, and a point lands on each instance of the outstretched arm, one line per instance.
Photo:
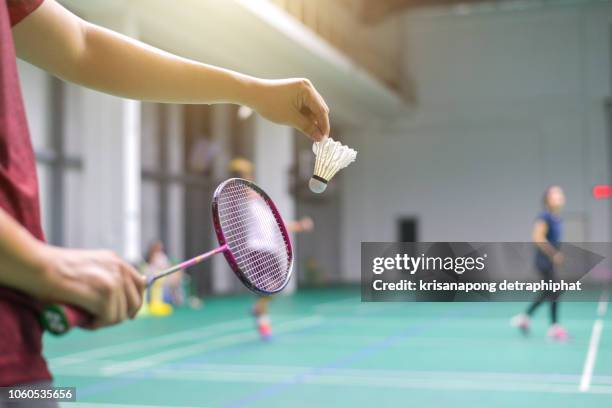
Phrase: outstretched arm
(56, 40)
(305, 224)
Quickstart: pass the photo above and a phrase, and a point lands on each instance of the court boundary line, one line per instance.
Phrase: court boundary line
(328, 378)
(195, 369)
(344, 361)
(591, 357)
(132, 370)
(166, 339)
(111, 405)
(175, 353)
(443, 381)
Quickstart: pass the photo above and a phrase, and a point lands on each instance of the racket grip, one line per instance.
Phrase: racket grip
(60, 319)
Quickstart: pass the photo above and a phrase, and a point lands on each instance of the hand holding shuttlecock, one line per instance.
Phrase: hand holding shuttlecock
(331, 156)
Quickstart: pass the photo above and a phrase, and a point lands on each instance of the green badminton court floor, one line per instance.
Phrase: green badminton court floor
(331, 350)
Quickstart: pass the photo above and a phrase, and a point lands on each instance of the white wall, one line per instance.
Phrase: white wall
(102, 200)
(507, 103)
(273, 157)
(35, 87)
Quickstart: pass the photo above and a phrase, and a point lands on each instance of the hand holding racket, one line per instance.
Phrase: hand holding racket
(252, 236)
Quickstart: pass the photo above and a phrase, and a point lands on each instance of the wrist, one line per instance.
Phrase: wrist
(62, 279)
(249, 89)
(55, 281)
(46, 272)
(36, 269)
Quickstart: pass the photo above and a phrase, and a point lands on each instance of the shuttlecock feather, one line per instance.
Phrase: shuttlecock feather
(331, 157)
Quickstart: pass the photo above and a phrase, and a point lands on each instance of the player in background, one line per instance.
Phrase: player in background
(243, 168)
(170, 289)
(547, 233)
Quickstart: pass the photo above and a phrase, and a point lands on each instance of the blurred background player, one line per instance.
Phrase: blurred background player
(243, 168)
(546, 235)
(171, 287)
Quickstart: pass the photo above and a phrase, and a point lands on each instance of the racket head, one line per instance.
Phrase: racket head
(248, 223)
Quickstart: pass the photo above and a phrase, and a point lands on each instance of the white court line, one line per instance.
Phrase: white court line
(143, 344)
(106, 404)
(602, 306)
(477, 321)
(449, 384)
(340, 341)
(368, 377)
(194, 349)
(373, 379)
(473, 375)
(589, 362)
(149, 343)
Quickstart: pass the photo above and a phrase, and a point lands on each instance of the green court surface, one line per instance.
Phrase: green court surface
(331, 350)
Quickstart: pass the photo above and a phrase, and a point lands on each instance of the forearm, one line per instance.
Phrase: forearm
(293, 226)
(27, 264)
(538, 235)
(116, 64)
(57, 41)
(547, 249)
(21, 263)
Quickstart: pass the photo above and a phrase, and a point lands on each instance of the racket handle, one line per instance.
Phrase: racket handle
(60, 319)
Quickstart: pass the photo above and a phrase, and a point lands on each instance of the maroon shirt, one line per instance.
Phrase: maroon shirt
(21, 357)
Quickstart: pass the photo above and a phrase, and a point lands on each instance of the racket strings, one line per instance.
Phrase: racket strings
(254, 235)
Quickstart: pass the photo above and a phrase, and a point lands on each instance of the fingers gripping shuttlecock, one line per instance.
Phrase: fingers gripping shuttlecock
(331, 156)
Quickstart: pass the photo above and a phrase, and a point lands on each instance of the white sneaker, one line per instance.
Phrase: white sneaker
(522, 322)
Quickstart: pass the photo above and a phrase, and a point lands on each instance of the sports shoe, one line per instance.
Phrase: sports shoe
(264, 327)
(522, 322)
(557, 332)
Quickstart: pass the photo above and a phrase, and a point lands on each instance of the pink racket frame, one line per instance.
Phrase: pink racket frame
(59, 319)
(231, 260)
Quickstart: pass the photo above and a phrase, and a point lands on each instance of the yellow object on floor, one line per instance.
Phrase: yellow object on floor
(160, 309)
(154, 305)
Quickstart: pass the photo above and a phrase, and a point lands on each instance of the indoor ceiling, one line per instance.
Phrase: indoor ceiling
(375, 11)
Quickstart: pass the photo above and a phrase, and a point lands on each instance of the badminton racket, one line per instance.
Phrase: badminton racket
(251, 234)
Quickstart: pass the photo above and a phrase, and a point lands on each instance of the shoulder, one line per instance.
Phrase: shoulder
(544, 216)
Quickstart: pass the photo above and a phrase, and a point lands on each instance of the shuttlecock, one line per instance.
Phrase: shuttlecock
(331, 156)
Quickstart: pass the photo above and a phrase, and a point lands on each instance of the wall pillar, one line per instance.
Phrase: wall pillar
(273, 157)
(223, 278)
(111, 164)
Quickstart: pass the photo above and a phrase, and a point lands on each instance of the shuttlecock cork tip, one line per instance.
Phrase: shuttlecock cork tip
(317, 184)
(331, 156)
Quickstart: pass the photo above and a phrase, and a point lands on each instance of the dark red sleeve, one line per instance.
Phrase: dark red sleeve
(20, 9)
